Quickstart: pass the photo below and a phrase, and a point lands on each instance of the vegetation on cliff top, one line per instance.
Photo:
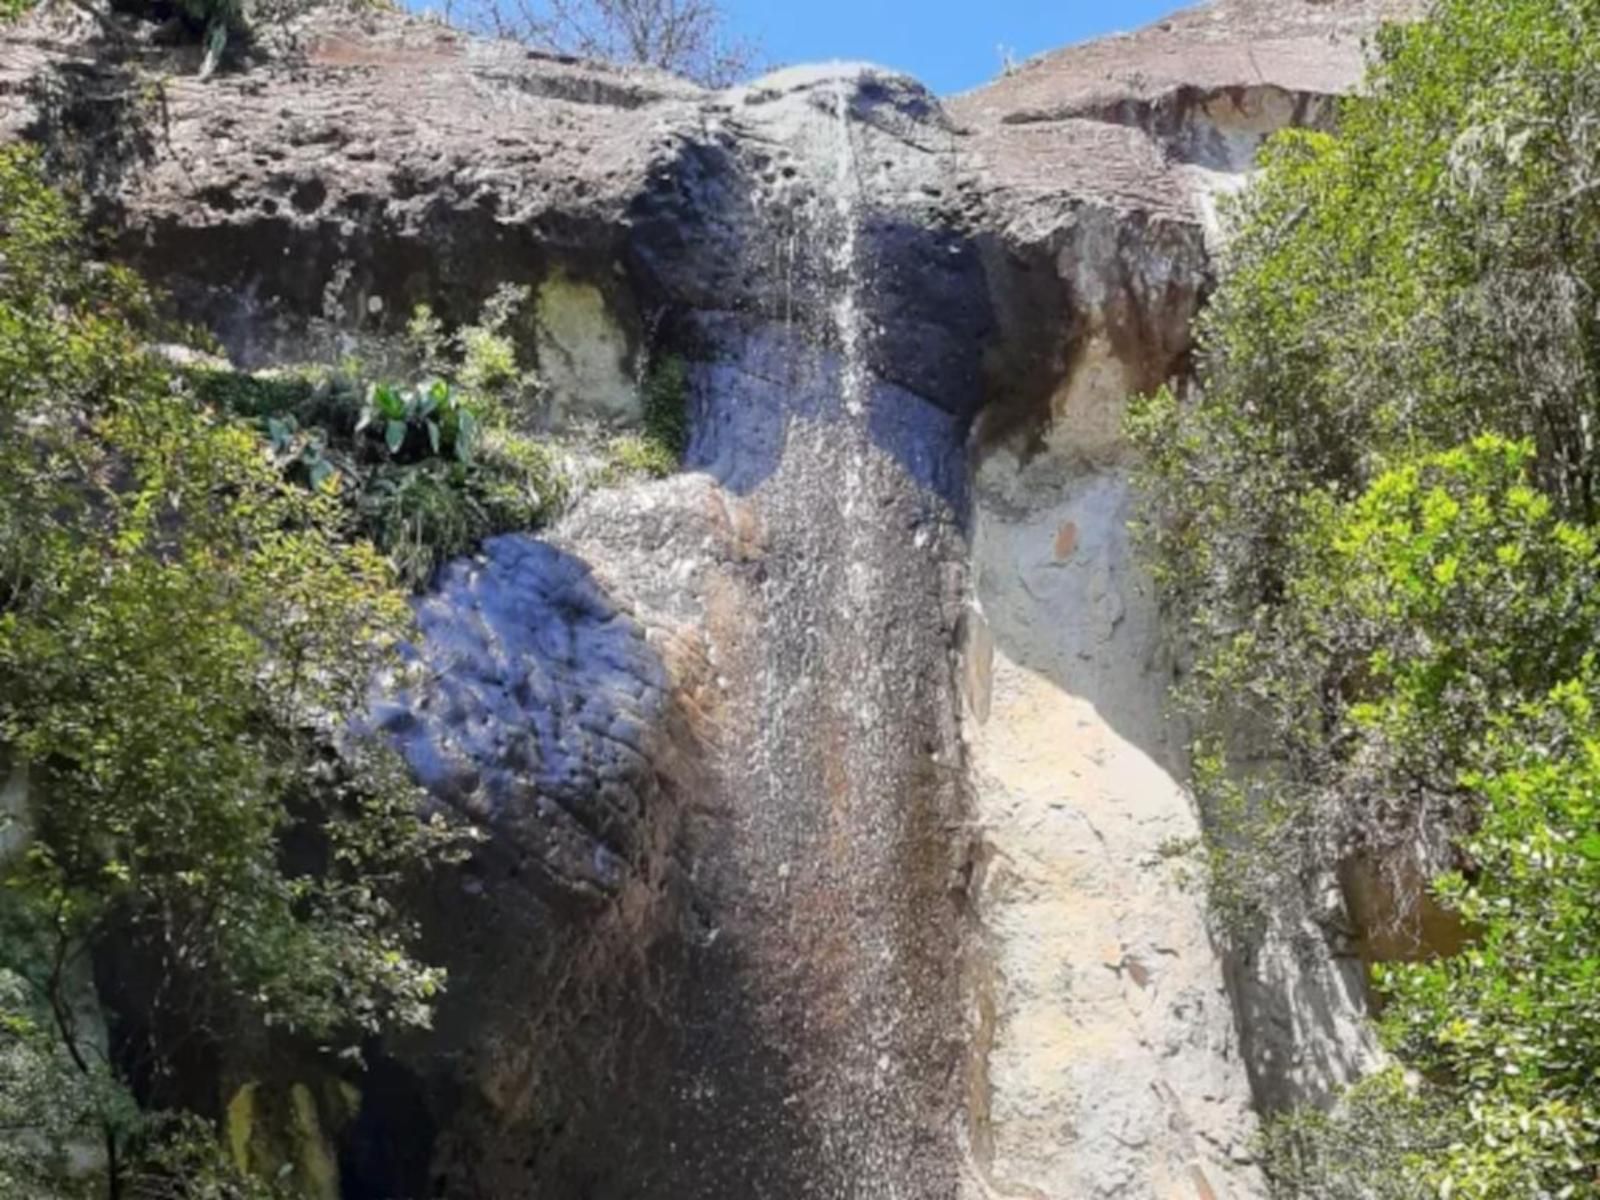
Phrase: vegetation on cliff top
(687, 37)
(1378, 517)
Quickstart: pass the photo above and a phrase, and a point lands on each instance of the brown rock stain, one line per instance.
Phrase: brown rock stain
(1394, 917)
(341, 52)
(1066, 541)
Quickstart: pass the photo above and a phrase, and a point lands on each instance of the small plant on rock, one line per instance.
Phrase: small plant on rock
(428, 420)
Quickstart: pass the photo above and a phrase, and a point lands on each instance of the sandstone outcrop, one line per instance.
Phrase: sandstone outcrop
(833, 810)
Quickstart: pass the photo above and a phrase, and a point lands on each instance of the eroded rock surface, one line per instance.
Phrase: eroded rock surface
(535, 717)
(834, 816)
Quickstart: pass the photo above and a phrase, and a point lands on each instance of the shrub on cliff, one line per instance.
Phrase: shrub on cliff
(429, 469)
(1457, 617)
(426, 469)
(1421, 276)
(403, 478)
(181, 633)
(1376, 518)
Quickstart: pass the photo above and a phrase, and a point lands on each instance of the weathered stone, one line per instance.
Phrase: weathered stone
(1105, 1037)
(1098, 169)
(585, 358)
(533, 718)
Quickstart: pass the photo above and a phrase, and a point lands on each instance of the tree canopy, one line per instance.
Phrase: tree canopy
(183, 632)
(1375, 517)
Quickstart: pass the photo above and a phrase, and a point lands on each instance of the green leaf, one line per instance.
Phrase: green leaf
(426, 401)
(394, 435)
(388, 401)
(184, 639)
(466, 434)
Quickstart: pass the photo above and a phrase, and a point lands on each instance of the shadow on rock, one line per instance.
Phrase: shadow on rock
(533, 720)
(590, 995)
(98, 121)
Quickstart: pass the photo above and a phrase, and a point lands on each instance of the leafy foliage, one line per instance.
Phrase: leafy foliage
(428, 420)
(1377, 519)
(1514, 1021)
(1375, 1145)
(1389, 290)
(1443, 597)
(48, 1108)
(1508, 1030)
(656, 451)
(480, 357)
(181, 633)
(1442, 602)
(426, 471)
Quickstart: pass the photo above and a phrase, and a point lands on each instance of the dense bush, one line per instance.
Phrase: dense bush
(1376, 519)
(1421, 276)
(428, 470)
(199, 578)
(1513, 1022)
(1377, 1145)
(424, 484)
(181, 633)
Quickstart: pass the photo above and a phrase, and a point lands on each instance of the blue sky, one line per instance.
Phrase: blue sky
(951, 45)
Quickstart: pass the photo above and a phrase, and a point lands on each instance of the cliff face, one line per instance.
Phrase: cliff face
(830, 791)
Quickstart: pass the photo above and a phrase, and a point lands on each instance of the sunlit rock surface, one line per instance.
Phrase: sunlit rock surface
(533, 722)
(834, 818)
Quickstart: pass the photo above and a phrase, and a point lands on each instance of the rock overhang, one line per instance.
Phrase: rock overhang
(413, 163)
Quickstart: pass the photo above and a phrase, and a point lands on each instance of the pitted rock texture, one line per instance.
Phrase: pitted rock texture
(766, 908)
(1121, 120)
(371, 158)
(534, 720)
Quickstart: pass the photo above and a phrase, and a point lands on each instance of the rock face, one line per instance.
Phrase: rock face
(832, 808)
(1119, 1053)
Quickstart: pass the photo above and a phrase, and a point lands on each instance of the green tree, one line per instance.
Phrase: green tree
(1376, 519)
(1421, 275)
(1513, 1023)
(182, 633)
